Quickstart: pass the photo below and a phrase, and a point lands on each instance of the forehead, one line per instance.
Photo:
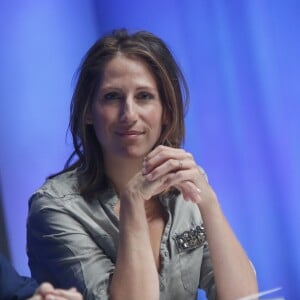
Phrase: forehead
(130, 68)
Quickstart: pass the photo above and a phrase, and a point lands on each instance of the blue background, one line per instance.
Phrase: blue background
(241, 60)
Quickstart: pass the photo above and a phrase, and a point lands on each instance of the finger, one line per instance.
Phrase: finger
(57, 297)
(191, 192)
(170, 165)
(36, 297)
(158, 150)
(200, 192)
(189, 174)
(162, 153)
(65, 294)
(190, 181)
(45, 288)
(152, 188)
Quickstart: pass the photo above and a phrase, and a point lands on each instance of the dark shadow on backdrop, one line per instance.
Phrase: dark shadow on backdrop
(4, 249)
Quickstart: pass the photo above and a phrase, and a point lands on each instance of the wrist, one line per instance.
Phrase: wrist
(210, 208)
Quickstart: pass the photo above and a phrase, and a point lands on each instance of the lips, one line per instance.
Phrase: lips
(129, 133)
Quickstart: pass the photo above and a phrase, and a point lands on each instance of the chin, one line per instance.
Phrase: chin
(134, 153)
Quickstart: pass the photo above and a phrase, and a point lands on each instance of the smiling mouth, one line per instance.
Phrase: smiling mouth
(129, 133)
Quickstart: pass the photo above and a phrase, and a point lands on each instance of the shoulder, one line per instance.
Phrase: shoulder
(61, 185)
(56, 191)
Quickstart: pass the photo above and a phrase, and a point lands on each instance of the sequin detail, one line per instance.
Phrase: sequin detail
(191, 239)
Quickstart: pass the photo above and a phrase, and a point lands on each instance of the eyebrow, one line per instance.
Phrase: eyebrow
(104, 88)
(147, 88)
(140, 88)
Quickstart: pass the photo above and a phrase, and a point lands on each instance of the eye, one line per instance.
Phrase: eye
(145, 96)
(112, 96)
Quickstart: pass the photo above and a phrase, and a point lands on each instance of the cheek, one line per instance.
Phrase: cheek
(101, 122)
(159, 116)
(156, 120)
(101, 116)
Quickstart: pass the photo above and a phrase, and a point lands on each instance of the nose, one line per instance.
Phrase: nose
(128, 110)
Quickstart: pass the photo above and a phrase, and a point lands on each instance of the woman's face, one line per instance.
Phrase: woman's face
(127, 112)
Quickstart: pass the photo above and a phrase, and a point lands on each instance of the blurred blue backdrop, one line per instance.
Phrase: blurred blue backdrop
(241, 60)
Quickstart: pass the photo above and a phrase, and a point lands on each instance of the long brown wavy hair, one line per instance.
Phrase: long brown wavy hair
(87, 156)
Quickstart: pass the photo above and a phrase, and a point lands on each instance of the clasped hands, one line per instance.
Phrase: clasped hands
(166, 167)
(47, 292)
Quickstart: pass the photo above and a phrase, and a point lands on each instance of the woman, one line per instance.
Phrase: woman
(126, 219)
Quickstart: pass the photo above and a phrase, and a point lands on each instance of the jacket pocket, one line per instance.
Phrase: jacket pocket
(190, 244)
(190, 267)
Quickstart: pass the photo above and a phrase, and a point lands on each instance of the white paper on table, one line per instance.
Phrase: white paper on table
(263, 293)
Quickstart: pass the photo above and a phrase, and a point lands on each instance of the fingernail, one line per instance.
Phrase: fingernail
(149, 176)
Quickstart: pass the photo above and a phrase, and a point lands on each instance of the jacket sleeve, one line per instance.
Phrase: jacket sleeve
(62, 251)
(207, 282)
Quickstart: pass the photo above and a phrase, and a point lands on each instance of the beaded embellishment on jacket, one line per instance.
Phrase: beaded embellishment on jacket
(191, 239)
